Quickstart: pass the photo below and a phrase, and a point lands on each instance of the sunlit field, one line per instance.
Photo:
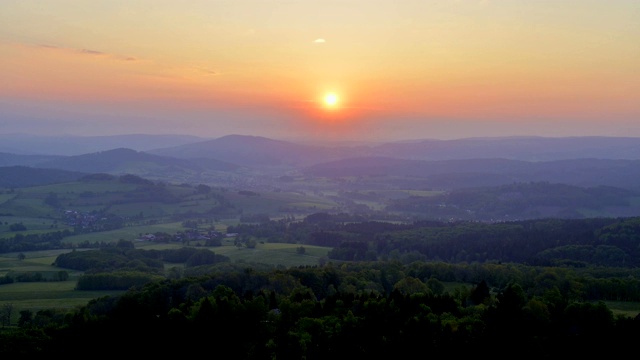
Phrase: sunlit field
(129, 233)
(41, 295)
(35, 296)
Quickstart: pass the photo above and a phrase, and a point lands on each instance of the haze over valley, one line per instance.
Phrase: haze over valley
(529, 176)
(319, 179)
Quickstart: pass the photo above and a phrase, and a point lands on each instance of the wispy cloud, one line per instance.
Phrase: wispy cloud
(319, 41)
(85, 51)
(207, 72)
(158, 70)
(90, 52)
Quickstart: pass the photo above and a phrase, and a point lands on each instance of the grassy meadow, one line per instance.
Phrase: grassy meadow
(37, 296)
(33, 208)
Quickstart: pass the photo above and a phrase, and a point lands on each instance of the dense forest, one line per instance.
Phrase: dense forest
(610, 242)
(489, 270)
(351, 310)
(385, 289)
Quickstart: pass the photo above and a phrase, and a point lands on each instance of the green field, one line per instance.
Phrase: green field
(34, 225)
(274, 254)
(277, 202)
(127, 233)
(4, 197)
(33, 261)
(149, 214)
(36, 296)
(42, 207)
(624, 308)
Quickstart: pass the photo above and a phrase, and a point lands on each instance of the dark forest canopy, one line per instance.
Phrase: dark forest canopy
(387, 289)
(347, 311)
(595, 241)
(610, 242)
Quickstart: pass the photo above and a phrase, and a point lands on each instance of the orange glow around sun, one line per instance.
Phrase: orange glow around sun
(331, 100)
(331, 109)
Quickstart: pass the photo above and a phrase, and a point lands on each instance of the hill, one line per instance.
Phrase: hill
(255, 150)
(521, 201)
(23, 176)
(516, 148)
(25, 144)
(123, 160)
(452, 174)
(372, 182)
(10, 159)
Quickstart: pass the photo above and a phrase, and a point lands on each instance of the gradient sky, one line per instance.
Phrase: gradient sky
(401, 69)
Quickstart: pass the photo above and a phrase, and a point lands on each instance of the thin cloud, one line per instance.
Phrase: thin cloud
(85, 51)
(208, 72)
(319, 41)
(91, 52)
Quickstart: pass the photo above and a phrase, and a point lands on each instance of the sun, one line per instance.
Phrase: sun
(331, 99)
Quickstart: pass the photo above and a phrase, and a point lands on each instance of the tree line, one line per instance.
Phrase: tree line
(366, 309)
(609, 242)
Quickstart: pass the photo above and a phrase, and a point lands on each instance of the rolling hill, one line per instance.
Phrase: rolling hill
(25, 144)
(439, 164)
(260, 151)
(451, 174)
(24, 176)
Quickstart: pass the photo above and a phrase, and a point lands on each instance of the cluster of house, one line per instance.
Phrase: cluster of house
(189, 235)
(83, 220)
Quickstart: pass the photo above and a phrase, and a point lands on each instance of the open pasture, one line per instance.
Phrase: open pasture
(33, 225)
(36, 296)
(279, 202)
(624, 308)
(28, 206)
(6, 196)
(33, 261)
(161, 209)
(129, 233)
(80, 187)
(60, 295)
(273, 254)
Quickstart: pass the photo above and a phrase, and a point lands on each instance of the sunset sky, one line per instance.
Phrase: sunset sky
(397, 69)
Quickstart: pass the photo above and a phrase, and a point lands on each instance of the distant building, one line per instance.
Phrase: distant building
(148, 237)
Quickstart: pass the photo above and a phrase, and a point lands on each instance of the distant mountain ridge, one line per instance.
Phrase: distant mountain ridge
(460, 173)
(580, 161)
(127, 161)
(251, 151)
(512, 177)
(9, 159)
(24, 176)
(516, 148)
(24, 144)
(258, 150)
